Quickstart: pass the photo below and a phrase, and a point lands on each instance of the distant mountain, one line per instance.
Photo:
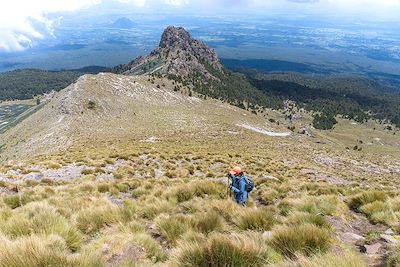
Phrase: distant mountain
(192, 63)
(123, 23)
(178, 54)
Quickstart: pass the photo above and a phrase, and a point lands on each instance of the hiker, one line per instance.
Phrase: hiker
(240, 185)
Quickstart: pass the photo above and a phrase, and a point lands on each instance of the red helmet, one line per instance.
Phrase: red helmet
(236, 171)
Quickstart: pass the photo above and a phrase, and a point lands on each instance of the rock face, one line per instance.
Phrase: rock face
(178, 54)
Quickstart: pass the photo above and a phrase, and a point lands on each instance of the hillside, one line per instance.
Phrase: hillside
(130, 170)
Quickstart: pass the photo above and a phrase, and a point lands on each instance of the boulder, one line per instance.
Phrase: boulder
(390, 239)
(371, 249)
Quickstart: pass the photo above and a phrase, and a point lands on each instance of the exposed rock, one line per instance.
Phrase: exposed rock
(105, 177)
(267, 177)
(371, 249)
(390, 239)
(34, 176)
(306, 131)
(106, 248)
(389, 232)
(267, 234)
(178, 54)
(353, 237)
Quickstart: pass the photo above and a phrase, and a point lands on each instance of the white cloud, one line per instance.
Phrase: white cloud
(177, 2)
(139, 3)
(17, 17)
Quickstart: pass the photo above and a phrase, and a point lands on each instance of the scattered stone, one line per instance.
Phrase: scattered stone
(106, 248)
(13, 172)
(371, 249)
(158, 173)
(390, 239)
(389, 232)
(267, 234)
(353, 237)
(267, 177)
(34, 176)
(115, 201)
(105, 177)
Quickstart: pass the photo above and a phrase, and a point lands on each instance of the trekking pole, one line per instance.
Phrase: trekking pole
(228, 193)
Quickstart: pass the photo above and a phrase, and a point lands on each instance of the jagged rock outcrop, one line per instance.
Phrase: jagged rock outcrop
(178, 54)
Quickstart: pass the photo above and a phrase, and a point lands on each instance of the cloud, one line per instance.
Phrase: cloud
(177, 2)
(23, 22)
(17, 18)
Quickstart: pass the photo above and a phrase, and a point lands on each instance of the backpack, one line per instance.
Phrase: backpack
(249, 184)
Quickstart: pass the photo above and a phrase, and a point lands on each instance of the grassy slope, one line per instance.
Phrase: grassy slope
(164, 203)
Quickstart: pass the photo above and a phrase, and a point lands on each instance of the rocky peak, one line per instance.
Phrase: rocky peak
(178, 54)
(175, 36)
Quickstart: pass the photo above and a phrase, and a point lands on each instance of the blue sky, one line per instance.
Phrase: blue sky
(24, 21)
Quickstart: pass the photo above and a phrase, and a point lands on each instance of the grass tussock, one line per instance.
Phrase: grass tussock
(227, 250)
(367, 197)
(198, 189)
(260, 219)
(38, 251)
(328, 260)
(301, 218)
(173, 227)
(207, 222)
(394, 259)
(41, 218)
(92, 219)
(305, 239)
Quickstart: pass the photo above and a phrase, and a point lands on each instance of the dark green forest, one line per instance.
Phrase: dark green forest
(354, 98)
(358, 103)
(27, 83)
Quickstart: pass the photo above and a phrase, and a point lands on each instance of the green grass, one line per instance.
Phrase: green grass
(260, 219)
(227, 250)
(305, 239)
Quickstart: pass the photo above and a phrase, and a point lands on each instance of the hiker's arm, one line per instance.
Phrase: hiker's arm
(234, 189)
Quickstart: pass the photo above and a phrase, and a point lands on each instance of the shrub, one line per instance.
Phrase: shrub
(306, 239)
(228, 251)
(255, 219)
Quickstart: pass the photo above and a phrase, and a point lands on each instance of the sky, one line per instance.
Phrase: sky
(24, 21)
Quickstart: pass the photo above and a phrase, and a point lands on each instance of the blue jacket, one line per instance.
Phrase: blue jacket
(239, 189)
